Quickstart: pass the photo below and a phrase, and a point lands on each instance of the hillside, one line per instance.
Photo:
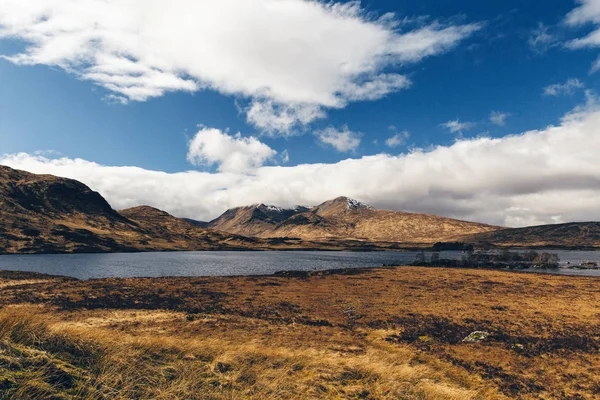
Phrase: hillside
(344, 218)
(48, 214)
(44, 213)
(573, 235)
(254, 220)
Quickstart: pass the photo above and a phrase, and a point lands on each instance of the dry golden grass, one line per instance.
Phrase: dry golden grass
(43, 358)
(393, 333)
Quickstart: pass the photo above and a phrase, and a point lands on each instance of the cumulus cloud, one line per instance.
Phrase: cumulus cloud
(456, 126)
(343, 140)
(498, 118)
(563, 89)
(398, 139)
(232, 153)
(290, 59)
(543, 176)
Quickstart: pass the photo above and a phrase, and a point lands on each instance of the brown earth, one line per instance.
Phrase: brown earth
(384, 333)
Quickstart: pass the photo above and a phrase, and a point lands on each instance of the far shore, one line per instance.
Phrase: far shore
(362, 247)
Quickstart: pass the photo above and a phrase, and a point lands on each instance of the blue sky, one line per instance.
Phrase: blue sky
(504, 57)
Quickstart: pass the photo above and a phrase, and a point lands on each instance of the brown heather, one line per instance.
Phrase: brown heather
(388, 333)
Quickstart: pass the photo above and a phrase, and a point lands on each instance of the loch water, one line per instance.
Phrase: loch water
(226, 263)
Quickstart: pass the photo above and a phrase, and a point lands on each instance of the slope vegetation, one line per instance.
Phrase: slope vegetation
(571, 235)
(344, 218)
(47, 214)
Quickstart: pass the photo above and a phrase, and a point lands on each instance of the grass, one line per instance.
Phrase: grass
(392, 333)
(42, 359)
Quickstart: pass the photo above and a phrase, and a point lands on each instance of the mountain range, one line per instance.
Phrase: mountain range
(48, 214)
(344, 218)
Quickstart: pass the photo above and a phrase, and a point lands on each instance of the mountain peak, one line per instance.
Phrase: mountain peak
(250, 220)
(270, 208)
(352, 204)
(341, 204)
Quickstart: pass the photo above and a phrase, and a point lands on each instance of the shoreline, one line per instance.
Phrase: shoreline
(367, 249)
(324, 272)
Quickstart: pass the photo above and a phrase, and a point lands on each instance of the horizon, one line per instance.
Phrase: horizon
(479, 112)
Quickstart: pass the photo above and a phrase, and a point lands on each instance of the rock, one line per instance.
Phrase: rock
(518, 347)
(476, 337)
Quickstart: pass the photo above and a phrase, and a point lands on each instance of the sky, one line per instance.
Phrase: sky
(485, 111)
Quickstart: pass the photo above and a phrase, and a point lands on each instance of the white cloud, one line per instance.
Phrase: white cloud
(546, 176)
(563, 89)
(456, 126)
(498, 118)
(398, 139)
(343, 140)
(540, 40)
(291, 59)
(374, 87)
(587, 12)
(232, 153)
(279, 119)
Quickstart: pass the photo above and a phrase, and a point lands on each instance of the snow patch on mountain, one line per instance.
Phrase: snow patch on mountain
(352, 204)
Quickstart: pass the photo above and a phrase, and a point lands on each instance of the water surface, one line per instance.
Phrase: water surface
(223, 263)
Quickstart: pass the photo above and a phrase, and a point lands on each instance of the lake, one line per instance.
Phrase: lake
(224, 263)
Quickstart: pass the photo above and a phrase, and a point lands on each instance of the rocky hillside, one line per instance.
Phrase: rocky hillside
(254, 220)
(571, 235)
(344, 218)
(47, 214)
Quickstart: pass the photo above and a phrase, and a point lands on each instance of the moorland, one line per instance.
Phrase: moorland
(384, 333)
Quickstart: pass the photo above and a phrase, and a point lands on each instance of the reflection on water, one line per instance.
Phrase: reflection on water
(220, 263)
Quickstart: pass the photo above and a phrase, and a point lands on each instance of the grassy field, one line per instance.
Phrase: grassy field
(392, 333)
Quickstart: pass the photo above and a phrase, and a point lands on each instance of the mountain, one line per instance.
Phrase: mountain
(168, 232)
(253, 220)
(572, 235)
(48, 214)
(44, 213)
(347, 219)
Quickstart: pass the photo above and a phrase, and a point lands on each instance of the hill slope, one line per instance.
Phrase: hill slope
(574, 235)
(344, 218)
(48, 214)
(44, 213)
(253, 220)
